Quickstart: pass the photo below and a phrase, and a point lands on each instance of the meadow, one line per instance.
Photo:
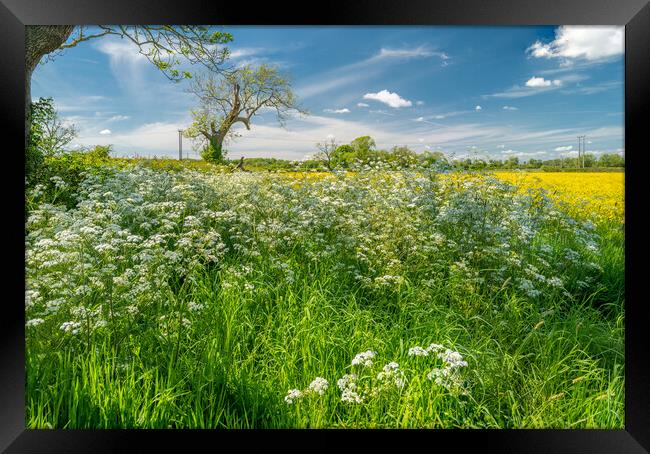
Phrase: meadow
(369, 299)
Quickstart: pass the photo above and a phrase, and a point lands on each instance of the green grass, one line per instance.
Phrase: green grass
(549, 363)
(232, 367)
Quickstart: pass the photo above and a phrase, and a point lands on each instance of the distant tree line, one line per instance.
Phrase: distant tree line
(362, 152)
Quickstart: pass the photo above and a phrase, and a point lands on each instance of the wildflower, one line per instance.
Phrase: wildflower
(293, 394)
(364, 358)
(391, 374)
(452, 359)
(418, 351)
(34, 322)
(192, 306)
(348, 386)
(433, 348)
(318, 386)
(70, 327)
(349, 396)
(347, 381)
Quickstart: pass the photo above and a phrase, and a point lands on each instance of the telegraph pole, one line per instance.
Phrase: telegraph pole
(581, 151)
(180, 144)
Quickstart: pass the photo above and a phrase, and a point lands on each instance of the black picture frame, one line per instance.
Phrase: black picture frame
(633, 14)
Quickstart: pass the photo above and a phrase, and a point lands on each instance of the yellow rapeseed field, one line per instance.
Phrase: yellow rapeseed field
(597, 195)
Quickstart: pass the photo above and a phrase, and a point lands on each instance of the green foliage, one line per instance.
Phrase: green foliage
(40, 112)
(362, 147)
(60, 176)
(47, 137)
(213, 153)
(343, 156)
(611, 160)
(402, 157)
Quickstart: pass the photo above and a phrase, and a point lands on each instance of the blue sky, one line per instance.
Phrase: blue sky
(477, 91)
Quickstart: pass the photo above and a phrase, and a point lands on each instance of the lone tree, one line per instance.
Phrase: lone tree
(327, 152)
(162, 45)
(235, 97)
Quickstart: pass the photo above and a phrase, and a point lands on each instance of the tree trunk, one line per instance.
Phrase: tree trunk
(216, 142)
(40, 40)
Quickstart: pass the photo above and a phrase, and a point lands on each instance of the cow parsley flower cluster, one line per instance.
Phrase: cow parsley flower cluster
(449, 375)
(349, 389)
(364, 358)
(391, 374)
(419, 351)
(292, 395)
(318, 386)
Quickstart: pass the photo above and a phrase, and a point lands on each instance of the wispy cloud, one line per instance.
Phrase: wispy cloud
(421, 51)
(241, 52)
(381, 112)
(119, 118)
(125, 60)
(337, 111)
(597, 88)
(364, 69)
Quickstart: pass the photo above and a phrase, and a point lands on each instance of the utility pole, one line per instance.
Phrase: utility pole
(581, 152)
(180, 144)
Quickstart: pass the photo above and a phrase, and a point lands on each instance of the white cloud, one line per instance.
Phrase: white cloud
(362, 104)
(119, 118)
(536, 82)
(337, 111)
(565, 148)
(477, 108)
(581, 42)
(105, 132)
(510, 108)
(419, 103)
(419, 119)
(392, 99)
